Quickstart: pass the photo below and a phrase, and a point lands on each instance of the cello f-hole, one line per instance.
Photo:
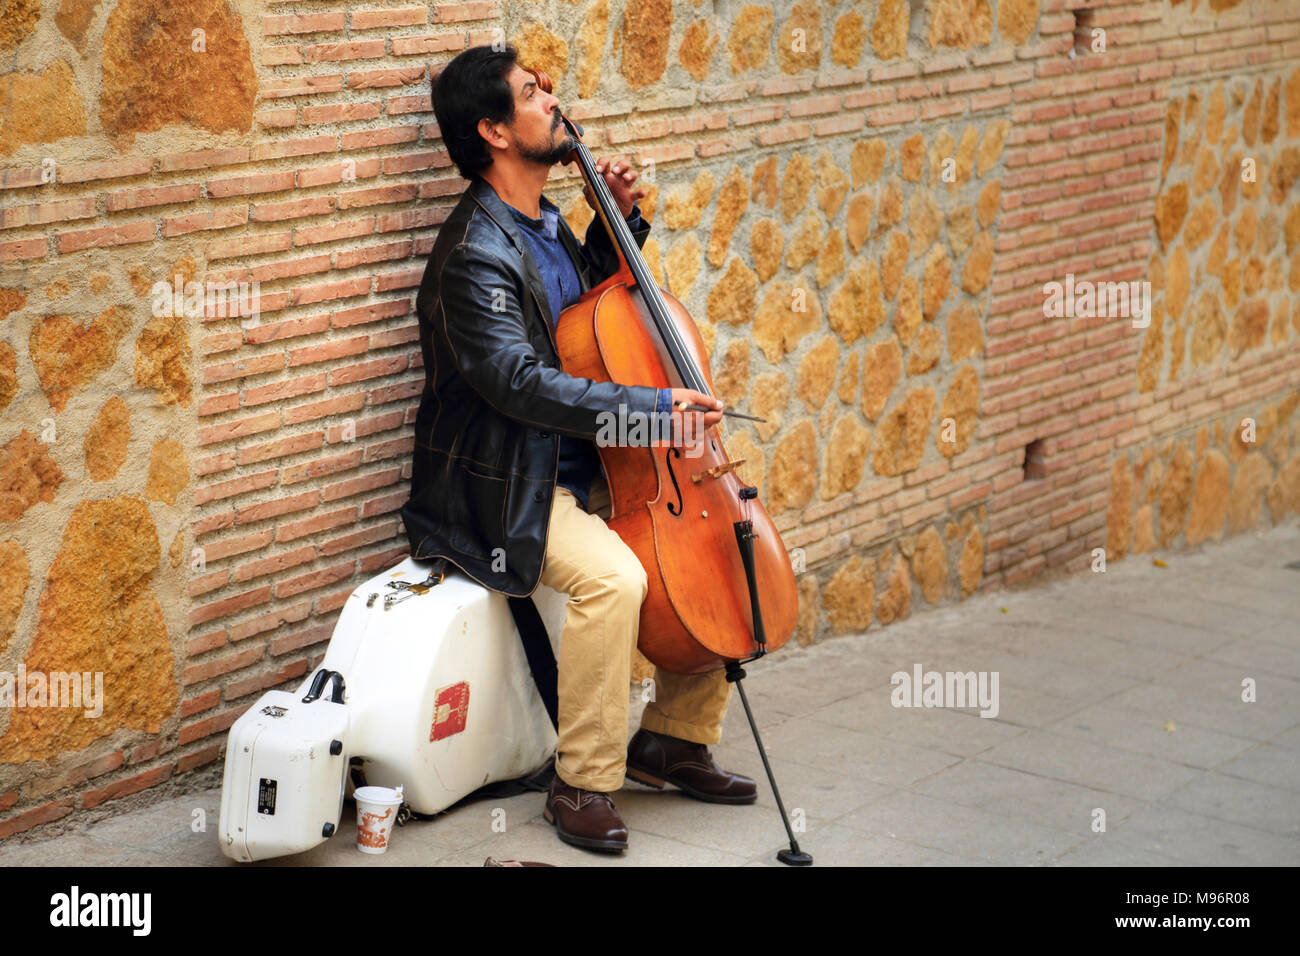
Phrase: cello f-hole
(674, 509)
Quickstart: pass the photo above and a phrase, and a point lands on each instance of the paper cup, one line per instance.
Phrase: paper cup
(376, 812)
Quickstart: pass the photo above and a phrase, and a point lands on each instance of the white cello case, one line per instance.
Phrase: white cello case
(439, 699)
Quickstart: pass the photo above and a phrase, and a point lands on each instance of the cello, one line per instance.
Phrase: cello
(722, 586)
(722, 591)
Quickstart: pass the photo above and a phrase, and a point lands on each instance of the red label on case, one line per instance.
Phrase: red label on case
(450, 709)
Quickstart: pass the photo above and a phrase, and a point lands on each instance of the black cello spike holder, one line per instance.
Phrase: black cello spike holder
(792, 855)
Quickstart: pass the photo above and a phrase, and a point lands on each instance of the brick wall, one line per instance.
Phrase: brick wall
(910, 176)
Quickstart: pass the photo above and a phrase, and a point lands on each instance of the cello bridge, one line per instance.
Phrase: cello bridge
(717, 471)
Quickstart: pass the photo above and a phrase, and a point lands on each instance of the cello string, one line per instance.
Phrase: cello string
(692, 376)
(690, 373)
(652, 297)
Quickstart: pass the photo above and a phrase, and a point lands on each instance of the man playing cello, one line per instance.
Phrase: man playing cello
(506, 481)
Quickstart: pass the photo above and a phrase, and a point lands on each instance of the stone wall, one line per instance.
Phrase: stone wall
(861, 204)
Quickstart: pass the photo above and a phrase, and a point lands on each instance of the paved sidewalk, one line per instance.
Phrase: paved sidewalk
(1118, 692)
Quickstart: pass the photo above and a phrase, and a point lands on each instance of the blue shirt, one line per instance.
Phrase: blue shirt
(579, 461)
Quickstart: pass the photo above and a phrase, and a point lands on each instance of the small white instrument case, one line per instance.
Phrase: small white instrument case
(285, 773)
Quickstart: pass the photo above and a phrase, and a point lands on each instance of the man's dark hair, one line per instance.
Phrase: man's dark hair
(473, 86)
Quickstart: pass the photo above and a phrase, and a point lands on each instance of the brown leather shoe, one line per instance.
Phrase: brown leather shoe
(655, 759)
(584, 818)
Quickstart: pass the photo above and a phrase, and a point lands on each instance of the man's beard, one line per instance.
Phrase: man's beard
(548, 154)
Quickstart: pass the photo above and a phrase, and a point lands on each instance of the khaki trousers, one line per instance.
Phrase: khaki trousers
(606, 585)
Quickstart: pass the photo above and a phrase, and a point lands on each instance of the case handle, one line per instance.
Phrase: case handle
(318, 686)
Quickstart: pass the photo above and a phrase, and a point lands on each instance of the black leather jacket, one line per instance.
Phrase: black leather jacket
(495, 397)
